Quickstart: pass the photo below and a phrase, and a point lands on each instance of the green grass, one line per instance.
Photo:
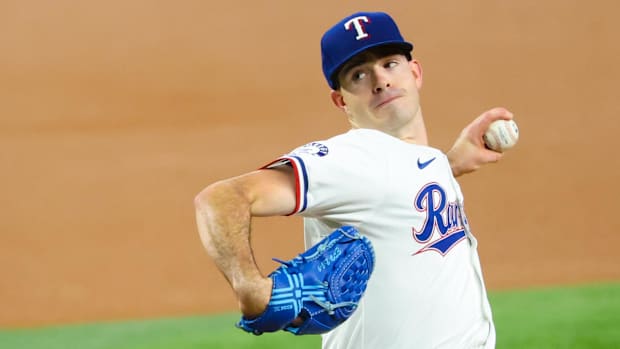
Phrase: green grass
(585, 317)
(184, 333)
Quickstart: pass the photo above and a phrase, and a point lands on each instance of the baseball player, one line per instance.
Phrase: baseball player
(427, 289)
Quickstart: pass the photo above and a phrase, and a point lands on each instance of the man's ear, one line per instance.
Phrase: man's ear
(338, 100)
(416, 68)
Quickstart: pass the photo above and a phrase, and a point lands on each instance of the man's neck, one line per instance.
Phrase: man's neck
(415, 133)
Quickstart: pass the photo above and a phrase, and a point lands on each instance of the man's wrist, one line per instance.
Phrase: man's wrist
(454, 164)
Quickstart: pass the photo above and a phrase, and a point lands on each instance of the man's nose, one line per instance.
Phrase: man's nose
(381, 80)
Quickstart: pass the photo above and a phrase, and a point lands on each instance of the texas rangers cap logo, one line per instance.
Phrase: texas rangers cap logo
(357, 24)
(355, 34)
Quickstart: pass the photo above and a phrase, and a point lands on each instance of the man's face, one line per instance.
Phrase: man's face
(379, 90)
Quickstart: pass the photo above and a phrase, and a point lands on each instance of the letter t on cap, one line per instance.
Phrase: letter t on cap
(359, 28)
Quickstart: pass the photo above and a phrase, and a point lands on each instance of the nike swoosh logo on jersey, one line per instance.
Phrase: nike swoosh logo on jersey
(422, 165)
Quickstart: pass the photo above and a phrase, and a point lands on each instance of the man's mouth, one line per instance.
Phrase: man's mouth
(386, 100)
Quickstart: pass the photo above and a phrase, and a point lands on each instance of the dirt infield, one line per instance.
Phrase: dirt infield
(114, 115)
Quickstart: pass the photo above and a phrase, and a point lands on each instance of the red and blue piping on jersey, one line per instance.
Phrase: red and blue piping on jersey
(442, 216)
(301, 180)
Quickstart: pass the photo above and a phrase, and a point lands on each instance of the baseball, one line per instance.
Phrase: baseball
(501, 135)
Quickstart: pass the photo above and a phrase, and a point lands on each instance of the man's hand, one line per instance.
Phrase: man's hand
(469, 152)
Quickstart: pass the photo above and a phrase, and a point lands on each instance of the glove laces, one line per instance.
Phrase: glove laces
(331, 307)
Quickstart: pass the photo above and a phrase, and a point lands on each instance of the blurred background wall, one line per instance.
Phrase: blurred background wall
(114, 114)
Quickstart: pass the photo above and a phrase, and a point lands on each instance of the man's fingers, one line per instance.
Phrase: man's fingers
(492, 156)
(500, 113)
(492, 115)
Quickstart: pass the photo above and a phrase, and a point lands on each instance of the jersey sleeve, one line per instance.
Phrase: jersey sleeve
(333, 178)
(301, 179)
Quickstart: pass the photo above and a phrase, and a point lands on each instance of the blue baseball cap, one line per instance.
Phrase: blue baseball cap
(355, 34)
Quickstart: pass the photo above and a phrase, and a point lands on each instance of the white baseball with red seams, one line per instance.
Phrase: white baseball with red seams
(501, 135)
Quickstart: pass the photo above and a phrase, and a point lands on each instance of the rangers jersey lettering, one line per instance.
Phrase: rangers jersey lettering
(441, 216)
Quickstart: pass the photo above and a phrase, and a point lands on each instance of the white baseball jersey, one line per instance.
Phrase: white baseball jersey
(427, 289)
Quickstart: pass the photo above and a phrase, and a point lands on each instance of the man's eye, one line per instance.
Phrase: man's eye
(358, 76)
(391, 64)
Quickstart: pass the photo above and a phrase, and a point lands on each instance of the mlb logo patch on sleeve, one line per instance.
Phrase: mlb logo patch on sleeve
(313, 148)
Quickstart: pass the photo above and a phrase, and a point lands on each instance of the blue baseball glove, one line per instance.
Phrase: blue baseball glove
(322, 286)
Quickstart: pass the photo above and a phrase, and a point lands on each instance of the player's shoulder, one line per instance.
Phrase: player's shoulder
(371, 139)
(366, 141)
(345, 143)
(362, 135)
(361, 145)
